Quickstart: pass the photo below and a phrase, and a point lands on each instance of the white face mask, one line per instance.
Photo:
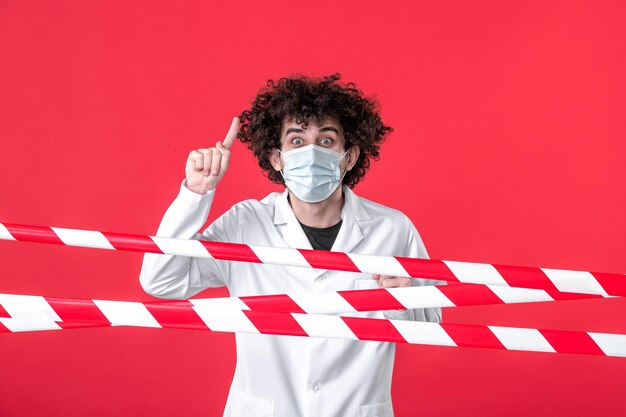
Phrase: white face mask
(311, 172)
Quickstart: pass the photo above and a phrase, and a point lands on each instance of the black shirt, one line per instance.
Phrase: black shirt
(322, 238)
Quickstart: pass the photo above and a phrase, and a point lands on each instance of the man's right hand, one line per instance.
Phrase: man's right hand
(206, 167)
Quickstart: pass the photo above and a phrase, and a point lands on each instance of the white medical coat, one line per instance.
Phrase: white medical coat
(288, 376)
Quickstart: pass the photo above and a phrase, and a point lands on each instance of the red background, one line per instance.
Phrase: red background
(509, 148)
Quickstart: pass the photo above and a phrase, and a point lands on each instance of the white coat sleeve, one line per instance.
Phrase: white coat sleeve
(180, 277)
(415, 249)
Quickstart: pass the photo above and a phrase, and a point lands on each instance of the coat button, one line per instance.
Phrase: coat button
(317, 387)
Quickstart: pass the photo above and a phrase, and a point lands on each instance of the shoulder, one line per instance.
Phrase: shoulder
(386, 229)
(244, 219)
(378, 209)
(380, 212)
(253, 208)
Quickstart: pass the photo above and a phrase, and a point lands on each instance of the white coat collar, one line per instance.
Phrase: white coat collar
(349, 235)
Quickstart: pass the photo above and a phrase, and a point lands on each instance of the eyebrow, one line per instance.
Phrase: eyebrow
(329, 128)
(293, 130)
(324, 129)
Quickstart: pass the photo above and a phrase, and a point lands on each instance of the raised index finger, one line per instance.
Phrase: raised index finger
(232, 133)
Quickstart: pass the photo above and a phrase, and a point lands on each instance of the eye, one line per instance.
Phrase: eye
(297, 141)
(326, 141)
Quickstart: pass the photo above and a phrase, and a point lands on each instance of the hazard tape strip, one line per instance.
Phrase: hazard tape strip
(337, 327)
(23, 313)
(335, 302)
(549, 280)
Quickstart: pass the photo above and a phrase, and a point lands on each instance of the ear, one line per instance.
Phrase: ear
(353, 156)
(275, 160)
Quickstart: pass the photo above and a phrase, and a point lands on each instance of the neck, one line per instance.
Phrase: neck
(323, 214)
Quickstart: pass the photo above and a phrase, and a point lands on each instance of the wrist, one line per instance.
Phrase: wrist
(197, 189)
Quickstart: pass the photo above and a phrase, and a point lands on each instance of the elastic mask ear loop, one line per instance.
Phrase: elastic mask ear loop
(282, 164)
(345, 170)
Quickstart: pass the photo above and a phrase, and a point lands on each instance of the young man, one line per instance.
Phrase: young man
(315, 136)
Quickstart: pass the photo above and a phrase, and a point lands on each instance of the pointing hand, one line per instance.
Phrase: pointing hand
(206, 166)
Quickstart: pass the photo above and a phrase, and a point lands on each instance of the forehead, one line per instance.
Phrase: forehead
(311, 125)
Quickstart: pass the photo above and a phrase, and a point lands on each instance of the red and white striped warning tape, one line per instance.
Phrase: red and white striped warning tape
(551, 280)
(336, 302)
(454, 295)
(30, 313)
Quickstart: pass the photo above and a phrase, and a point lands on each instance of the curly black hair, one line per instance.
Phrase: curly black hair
(313, 99)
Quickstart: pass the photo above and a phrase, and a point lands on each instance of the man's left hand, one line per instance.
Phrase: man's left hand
(390, 281)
